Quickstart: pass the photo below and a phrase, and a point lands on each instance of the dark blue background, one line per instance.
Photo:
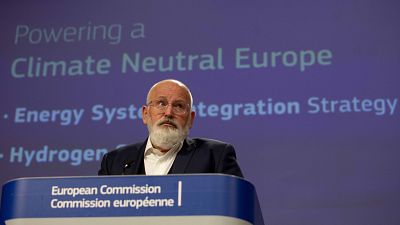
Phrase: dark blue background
(335, 168)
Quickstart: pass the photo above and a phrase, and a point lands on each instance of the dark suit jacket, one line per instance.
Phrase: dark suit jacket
(197, 155)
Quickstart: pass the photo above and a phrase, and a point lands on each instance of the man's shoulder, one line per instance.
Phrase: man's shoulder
(126, 149)
(207, 142)
(220, 154)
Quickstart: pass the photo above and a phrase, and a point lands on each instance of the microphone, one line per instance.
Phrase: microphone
(127, 166)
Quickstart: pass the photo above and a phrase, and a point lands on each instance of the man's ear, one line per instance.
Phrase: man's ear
(192, 116)
(145, 114)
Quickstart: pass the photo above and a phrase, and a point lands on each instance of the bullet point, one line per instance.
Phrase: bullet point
(5, 116)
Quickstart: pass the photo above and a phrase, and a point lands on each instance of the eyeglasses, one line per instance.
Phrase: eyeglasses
(178, 107)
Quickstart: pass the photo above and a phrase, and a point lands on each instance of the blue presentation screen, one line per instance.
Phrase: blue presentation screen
(306, 91)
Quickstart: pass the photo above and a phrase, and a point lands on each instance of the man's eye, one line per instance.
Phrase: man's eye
(161, 103)
(179, 105)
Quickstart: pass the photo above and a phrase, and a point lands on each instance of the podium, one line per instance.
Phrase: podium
(210, 199)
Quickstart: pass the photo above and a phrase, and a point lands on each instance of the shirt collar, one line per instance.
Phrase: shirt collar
(150, 148)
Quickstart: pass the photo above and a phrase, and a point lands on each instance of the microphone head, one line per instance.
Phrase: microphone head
(128, 164)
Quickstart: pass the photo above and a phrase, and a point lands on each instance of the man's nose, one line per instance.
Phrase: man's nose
(168, 110)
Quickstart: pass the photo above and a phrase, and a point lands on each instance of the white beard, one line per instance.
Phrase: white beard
(166, 137)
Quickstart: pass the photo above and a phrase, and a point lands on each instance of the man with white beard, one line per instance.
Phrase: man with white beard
(169, 116)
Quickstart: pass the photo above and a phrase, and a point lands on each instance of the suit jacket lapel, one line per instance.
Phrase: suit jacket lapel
(183, 157)
(136, 158)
